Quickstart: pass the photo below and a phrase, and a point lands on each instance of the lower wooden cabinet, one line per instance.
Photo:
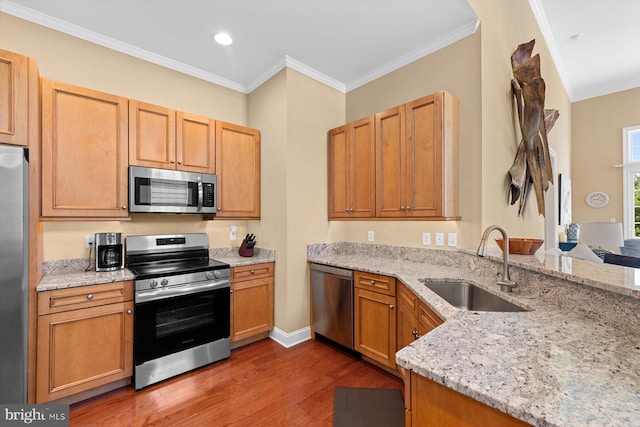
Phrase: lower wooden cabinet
(375, 317)
(414, 317)
(433, 404)
(251, 301)
(85, 339)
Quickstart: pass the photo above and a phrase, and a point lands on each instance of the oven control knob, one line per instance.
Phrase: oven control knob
(153, 284)
(164, 282)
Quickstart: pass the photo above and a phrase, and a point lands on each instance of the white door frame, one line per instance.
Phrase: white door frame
(551, 208)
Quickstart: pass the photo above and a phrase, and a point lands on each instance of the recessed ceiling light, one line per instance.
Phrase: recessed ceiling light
(576, 36)
(223, 38)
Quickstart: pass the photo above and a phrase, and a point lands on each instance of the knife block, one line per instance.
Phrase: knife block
(244, 251)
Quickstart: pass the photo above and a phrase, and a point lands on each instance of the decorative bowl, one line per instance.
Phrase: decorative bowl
(521, 246)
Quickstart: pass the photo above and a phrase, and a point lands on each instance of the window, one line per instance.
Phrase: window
(631, 184)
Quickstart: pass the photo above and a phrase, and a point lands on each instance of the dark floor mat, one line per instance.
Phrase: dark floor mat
(367, 407)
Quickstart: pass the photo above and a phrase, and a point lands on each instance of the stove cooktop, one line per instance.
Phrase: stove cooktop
(172, 268)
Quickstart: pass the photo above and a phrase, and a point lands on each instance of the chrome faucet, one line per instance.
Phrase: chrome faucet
(506, 284)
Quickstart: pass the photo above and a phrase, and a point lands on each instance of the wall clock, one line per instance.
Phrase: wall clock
(597, 199)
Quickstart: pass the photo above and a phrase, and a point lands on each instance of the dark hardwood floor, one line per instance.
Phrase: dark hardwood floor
(262, 384)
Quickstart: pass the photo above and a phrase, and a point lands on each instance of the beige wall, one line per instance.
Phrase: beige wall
(69, 59)
(456, 69)
(597, 146)
(294, 113)
(504, 25)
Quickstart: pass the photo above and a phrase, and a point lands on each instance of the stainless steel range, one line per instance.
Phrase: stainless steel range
(182, 305)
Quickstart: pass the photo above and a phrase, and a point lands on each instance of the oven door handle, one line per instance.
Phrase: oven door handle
(200, 193)
(176, 291)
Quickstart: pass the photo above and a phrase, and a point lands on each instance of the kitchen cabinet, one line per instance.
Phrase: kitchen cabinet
(85, 339)
(435, 404)
(84, 153)
(251, 302)
(238, 171)
(417, 159)
(415, 318)
(375, 317)
(352, 170)
(163, 138)
(14, 98)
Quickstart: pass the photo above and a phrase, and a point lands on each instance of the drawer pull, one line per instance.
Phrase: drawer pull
(90, 297)
(252, 271)
(373, 282)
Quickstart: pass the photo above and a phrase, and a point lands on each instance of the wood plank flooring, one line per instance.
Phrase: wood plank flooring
(262, 384)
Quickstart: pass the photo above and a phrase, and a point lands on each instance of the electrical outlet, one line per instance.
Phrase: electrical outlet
(370, 236)
(452, 239)
(439, 239)
(233, 234)
(426, 238)
(89, 240)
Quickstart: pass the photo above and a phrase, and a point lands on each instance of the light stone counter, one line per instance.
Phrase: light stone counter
(71, 273)
(572, 360)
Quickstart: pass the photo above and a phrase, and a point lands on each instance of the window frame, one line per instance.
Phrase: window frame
(630, 168)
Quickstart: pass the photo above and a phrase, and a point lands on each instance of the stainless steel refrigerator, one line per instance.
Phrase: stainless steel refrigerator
(14, 270)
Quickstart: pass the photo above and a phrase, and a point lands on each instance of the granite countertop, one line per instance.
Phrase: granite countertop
(71, 273)
(565, 362)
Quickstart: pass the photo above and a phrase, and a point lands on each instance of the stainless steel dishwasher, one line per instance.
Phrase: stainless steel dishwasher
(332, 303)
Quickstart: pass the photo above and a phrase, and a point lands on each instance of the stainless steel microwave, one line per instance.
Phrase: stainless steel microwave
(166, 191)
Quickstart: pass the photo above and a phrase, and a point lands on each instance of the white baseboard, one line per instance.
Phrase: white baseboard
(289, 339)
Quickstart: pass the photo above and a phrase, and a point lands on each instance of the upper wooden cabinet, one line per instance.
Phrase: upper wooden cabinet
(417, 159)
(352, 170)
(14, 91)
(163, 138)
(84, 153)
(238, 171)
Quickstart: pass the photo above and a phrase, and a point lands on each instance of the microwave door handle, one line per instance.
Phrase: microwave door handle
(200, 193)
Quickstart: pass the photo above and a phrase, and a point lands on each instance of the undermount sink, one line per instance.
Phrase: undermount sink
(467, 296)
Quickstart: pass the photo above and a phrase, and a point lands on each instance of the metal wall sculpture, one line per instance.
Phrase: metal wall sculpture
(532, 165)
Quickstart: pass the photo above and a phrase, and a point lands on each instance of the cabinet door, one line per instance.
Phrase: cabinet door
(195, 143)
(423, 157)
(362, 168)
(152, 136)
(427, 319)
(252, 308)
(84, 152)
(407, 322)
(338, 151)
(390, 182)
(82, 349)
(375, 326)
(238, 171)
(14, 92)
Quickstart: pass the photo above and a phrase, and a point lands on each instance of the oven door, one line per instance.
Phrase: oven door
(169, 325)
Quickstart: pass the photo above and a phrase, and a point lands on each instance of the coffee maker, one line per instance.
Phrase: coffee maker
(109, 251)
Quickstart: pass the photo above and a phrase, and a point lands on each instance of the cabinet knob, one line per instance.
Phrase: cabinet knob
(415, 334)
(172, 161)
(252, 272)
(179, 162)
(90, 297)
(390, 306)
(124, 207)
(219, 208)
(408, 208)
(401, 208)
(373, 282)
(129, 311)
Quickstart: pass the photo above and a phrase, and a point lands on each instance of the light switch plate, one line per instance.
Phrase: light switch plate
(233, 233)
(452, 239)
(439, 239)
(370, 236)
(426, 238)
(89, 240)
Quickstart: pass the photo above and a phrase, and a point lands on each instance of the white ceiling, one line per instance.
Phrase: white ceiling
(344, 43)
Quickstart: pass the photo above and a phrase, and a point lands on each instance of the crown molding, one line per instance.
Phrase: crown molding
(108, 42)
(314, 74)
(594, 90)
(545, 28)
(410, 57)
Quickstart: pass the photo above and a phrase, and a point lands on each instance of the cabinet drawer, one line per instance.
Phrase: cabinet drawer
(250, 272)
(375, 282)
(60, 300)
